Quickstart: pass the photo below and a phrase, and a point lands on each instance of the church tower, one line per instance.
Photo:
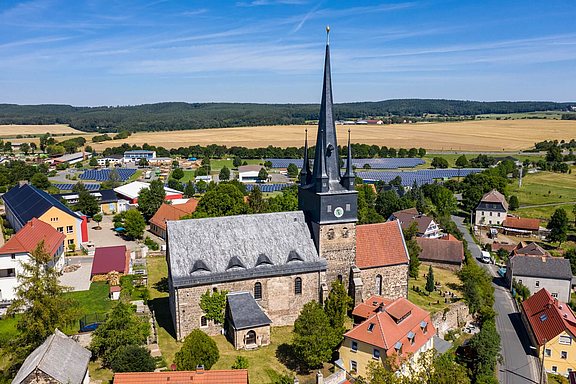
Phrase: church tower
(328, 198)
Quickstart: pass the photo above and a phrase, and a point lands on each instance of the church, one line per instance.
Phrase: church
(273, 263)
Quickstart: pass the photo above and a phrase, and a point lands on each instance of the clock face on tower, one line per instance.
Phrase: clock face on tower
(338, 212)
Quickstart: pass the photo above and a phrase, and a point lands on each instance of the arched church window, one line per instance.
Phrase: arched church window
(378, 285)
(340, 278)
(330, 235)
(344, 233)
(203, 321)
(258, 291)
(298, 286)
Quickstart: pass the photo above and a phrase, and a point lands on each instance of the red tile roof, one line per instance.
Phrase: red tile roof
(520, 223)
(168, 212)
(508, 247)
(115, 288)
(380, 244)
(108, 259)
(531, 249)
(27, 238)
(547, 317)
(236, 376)
(368, 308)
(449, 237)
(441, 251)
(387, 332)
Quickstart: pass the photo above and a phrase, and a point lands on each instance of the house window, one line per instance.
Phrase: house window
(554, 295)
(70, 241)
(354, 346)
(298, 286)
(69, 229)
(568, 370)
(60, 229)
(520, 281)
(564, 339)
(378, 285)
(548, 352)
(376, 354)
(353, 366)
(258, 291)
(490, 213)
(537, 283)
(203, 321)
(490, 221)
(563, 355)
(554, 369)
(13, 256)
(483, 213)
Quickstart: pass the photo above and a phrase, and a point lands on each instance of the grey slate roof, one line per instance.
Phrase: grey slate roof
(441, 345)
(59, 357)
(244, 312)
(200, 250)
(545, 267)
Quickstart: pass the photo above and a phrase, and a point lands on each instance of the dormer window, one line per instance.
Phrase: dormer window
(235, 263)
(411, 337)
(199, 265)
(398, 348)
(263, 260)
(424, 327)
(294, 256)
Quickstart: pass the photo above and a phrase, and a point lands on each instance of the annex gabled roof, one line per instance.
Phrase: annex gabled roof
(244, 312)
(520, 223)
(372, 305)
(547, 317)
(27, 202)
(441, 251)
(383, 330)
(531, 249)
(495, 197)
(107, 259)
(406, 219)
(280, 236)
(232, 376)
(380, 244)
(27, 238)
(168, 212)
(545, 267)
(59, 357)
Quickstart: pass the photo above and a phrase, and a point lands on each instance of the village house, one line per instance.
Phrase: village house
(199, 376)
(440, 253)
(537, 272)
(59, 360)
(385, 329)
(19, 249)
(168, 212)
(518, 225)
(492, 209)
(25, 202)
(551, 326)
(427, 226)
(108, 259)
(530, 249)
(286, 259)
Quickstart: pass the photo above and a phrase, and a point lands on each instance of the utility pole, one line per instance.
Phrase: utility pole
(542, 370)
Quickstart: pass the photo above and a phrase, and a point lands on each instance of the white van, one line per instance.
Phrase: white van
(486, 257)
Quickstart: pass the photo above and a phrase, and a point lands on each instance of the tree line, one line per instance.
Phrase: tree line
(178, 116)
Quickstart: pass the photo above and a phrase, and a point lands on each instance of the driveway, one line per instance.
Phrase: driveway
(520, 365)
(107, 236)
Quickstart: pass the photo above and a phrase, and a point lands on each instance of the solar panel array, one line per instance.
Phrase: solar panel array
(384, 163)
(268, 187)
(68, 187)
(420, 176)
(104, 174)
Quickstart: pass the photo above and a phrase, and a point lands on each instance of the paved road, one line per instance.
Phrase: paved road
(519, 365)
(546, 205)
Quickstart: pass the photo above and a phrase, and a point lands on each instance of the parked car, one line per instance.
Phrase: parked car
(486, 257)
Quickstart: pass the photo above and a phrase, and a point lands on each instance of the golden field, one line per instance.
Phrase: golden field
(491, 135)
(13, 130)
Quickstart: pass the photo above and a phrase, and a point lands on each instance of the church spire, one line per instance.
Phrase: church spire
(326, 159)
(349, 179)
(305, 173)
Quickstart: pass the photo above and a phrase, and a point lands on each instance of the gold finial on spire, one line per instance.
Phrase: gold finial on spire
(327, 34)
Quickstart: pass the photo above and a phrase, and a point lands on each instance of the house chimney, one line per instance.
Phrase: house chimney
(319, 378)
(555, 302)
(21, 183)
(199, 369)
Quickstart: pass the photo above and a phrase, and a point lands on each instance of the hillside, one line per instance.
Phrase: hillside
(180, 116)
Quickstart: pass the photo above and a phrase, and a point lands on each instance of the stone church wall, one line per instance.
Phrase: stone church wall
(394, 281)
(279, 301)
(457, 314)
(337, 244)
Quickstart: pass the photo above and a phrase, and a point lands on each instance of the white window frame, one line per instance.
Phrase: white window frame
(374, 351)
(564, 355)
(69, 229)
(548, 352)
(352, 369)
(565, 340)
(354, 346)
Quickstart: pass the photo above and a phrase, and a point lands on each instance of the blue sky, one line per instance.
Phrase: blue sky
(124, 52)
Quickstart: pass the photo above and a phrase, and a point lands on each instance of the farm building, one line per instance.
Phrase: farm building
(108, 259)
(249, 173)
(72, 158)
(441, 253)
(517, 224)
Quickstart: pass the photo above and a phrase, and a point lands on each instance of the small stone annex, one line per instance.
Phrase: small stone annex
(280, 261)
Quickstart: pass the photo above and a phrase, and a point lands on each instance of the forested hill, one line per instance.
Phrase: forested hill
(176, 116)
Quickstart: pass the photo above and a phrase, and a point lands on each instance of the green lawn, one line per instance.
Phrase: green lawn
(188, 176)
(135, 176)
(95, 300)
(447, 279)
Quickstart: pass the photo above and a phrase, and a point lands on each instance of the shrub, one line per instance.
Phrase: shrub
(134, 359)
(240, 363)
(198, 349)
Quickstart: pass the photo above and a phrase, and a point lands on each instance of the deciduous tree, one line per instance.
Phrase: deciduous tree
(177, 173)
(87, 204)
(413, 249)
(292, 170)
(558, 226)
(224, 173)
(313, 338)
(40, 181)
(134, 224)
(263, 174)
(513, 204)
(150, 199)
(223, 200)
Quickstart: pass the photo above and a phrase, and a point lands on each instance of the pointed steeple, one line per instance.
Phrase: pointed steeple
(305, 173)
(326, 158)
(349, 179)
(320, 176)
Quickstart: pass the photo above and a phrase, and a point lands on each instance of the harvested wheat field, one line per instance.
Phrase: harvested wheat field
(13, 130)
(492, 135)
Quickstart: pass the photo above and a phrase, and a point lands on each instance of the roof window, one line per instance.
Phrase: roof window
(371, 327)
(543, 317)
